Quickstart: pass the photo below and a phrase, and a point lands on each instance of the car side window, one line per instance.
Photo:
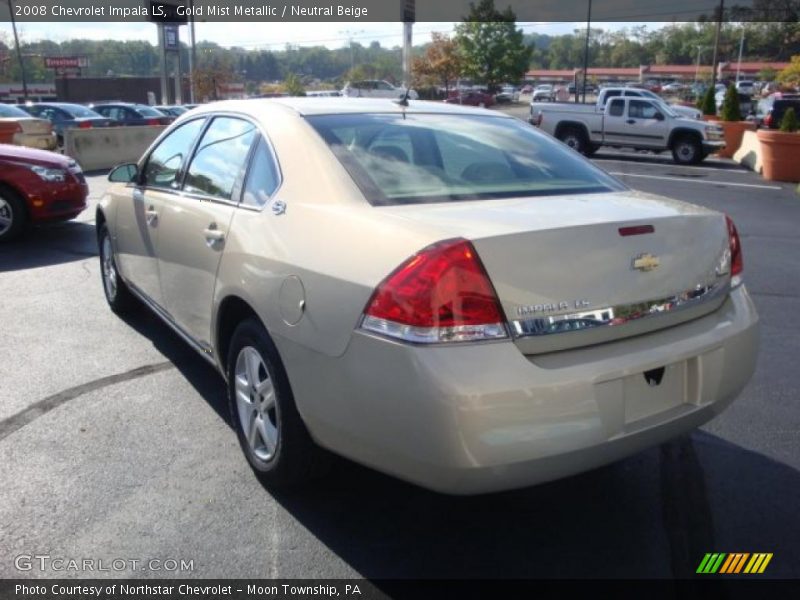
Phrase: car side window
(262, 179)
(164, 163)
(639, 109)
(220, 157)
(616, 107)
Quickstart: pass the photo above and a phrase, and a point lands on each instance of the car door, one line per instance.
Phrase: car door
(645, 124)
(614, 122)
(196, 222)
(140, 207)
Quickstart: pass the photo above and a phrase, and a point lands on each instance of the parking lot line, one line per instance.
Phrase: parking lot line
(684, 180)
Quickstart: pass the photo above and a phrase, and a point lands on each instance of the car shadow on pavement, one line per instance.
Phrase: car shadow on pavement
(206, 381)
(646, 157)
(655, 514)
(47, 245)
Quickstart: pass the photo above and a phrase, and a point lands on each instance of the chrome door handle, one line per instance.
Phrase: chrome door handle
(151, 216)
(213, 235)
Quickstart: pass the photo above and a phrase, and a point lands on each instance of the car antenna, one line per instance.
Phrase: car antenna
(403, 100)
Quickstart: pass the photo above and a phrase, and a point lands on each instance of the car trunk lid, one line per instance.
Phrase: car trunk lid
(572, 271)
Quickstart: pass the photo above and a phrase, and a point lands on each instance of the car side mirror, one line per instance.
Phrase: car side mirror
(659, 117)
(124, 173)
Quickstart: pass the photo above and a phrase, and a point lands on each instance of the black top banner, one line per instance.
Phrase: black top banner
(394, 10)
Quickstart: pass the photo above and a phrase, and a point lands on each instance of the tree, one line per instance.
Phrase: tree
(440, 65)
(731, 111)
(709, 105)
(789, 122)
(293, 85)
(790, 76)
(491, 45)
(767, 74)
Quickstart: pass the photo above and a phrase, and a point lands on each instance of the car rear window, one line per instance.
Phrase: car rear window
(76, 110)
(418, 158)
(146, 111)
(11, 112)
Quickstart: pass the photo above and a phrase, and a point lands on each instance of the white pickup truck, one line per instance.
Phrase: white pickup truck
(629, 121)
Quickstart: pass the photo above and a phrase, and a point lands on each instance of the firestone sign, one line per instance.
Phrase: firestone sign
(66, 62)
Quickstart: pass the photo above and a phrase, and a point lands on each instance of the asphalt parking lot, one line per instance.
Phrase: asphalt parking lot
(115, 443)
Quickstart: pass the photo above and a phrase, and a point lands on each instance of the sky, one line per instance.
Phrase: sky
(275, 36)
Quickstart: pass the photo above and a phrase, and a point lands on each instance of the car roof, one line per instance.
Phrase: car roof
(331, 105)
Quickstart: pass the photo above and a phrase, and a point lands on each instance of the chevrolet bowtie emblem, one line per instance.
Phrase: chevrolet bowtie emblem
(646, 262)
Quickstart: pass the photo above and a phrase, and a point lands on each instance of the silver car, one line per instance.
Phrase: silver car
(442, 293)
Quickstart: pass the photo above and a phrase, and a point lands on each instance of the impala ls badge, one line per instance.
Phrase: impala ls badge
(646, 262)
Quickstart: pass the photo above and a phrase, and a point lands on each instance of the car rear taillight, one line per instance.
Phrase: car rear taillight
(153, 122)
(441, 294)
(85, 125)
(737, 264)
(768, 119)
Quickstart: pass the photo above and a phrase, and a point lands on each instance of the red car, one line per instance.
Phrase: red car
(471, 98)
(37, 186)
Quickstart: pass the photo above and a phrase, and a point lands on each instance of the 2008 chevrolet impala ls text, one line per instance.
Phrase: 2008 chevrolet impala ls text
(442, 293)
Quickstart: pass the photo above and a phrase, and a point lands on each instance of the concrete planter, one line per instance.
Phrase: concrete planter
(781, 155)
(734, 130)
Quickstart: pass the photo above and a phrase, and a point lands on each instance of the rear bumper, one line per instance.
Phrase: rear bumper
(484, 417)
(41, 142)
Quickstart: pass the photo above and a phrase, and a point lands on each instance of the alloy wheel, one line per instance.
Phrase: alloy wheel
(109, 269)
(6, 216)
(256, 404)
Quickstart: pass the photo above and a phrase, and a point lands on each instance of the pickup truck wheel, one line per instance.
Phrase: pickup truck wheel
(575, 139)
(591, 149)
(687, 151)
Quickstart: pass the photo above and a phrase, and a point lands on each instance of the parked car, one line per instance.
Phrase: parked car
(373, 88)
(629, 122)
(173, 111)
(769, 111)
(415, 334)
(471, 98)
(507, 95)
(20, 128)
(745, 86)
(324, 94)
(134, 115)
(37, 186)
(544, 93)
(688, 112)
(64, 115)
(673, 87)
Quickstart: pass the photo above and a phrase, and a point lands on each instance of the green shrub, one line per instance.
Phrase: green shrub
(789, 122)
(709, 106)
(731, 111)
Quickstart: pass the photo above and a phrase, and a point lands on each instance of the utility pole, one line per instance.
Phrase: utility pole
(741, 47)
(716, 45)
(409, 16)
(586, 52)
(19, 52)
(192, 54)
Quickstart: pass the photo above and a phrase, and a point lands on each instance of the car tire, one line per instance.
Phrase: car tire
(13, 215)
(271, 432)
(591, 149)
(574, 138)
(687, 150)
(118, 296)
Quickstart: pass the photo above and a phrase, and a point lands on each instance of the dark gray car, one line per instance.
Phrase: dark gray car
(64, 116)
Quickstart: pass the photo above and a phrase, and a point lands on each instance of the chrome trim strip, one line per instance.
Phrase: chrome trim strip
(615, 316)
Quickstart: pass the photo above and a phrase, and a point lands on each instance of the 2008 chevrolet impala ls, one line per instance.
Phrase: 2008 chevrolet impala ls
(442, 293)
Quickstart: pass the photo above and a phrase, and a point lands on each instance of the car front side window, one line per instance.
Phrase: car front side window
(165, 162)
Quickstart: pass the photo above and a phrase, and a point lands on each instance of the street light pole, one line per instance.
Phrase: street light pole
(19, 52)
(192, 54)
(716, 44)
(741, 47)
(586, 52)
